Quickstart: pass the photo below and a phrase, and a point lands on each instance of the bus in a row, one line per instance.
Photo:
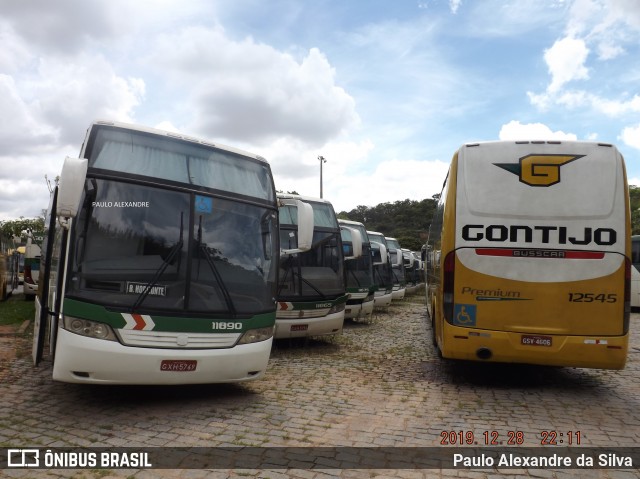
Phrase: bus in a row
(312, 286)
(361, 285)
(31, 265)
(9, 262)
(159, 263)
(529, 255)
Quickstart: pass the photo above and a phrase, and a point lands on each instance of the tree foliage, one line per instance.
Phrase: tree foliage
(11, 228)
(634, 198)
(407, 220)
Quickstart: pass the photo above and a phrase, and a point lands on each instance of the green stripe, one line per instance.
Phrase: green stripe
(327, 303)
(94, 312)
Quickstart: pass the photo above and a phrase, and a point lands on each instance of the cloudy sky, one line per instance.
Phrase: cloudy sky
(385, 90)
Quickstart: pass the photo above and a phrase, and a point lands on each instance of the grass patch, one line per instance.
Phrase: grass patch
(16, 310)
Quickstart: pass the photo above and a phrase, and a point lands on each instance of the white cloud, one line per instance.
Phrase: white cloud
(391, 181)
(348, 179)
(608, 24)
(23, 190)
(631, 136)
(609, 28)
(454, 5)
(72, 94)
(14, 54)
(514, 130)
(565, 60)
(243, 90)
(582, 99)
(19, 130)
(65, 26)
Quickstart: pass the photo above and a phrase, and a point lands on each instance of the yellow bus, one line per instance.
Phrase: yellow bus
(529, 255)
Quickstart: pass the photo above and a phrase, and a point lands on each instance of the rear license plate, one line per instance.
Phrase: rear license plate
(534, 340)
(178, 365)
(299, 327)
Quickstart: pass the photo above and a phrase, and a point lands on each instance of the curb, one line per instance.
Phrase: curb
(19, 331)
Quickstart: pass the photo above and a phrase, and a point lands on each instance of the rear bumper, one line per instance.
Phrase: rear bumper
(602, 352)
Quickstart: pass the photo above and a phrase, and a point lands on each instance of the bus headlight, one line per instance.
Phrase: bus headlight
(256, 335)
(336, 308)
(91, 329)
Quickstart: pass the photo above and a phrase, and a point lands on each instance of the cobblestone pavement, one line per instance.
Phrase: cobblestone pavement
(378, 385)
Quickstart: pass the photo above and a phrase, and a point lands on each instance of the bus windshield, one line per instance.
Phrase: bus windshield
(319, 271)
(359, 270)
(162, 249)
(138, 153)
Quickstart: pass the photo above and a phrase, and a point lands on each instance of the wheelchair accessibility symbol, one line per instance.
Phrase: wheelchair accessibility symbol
(464, 314)
(204, 204)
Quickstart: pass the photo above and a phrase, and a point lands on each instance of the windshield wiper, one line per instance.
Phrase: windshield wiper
(203, 248)
(300, 277)
(160, 271)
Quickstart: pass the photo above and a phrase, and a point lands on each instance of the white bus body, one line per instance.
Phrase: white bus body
(159, 262)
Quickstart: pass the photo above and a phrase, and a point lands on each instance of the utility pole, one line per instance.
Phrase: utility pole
(322, 160)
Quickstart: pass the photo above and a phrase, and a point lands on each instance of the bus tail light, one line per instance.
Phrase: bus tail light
(447, 286)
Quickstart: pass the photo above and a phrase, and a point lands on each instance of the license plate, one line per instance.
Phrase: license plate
(178, 365)
(299, 327)
(534, 340)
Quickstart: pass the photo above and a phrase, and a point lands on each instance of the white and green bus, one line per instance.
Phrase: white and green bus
(398, 268)
(312, 290)
(382, 272)
(360, 284)
(160, 260)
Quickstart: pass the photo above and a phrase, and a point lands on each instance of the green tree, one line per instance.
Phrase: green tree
(406, 220)
(634, 197)
(22, 224)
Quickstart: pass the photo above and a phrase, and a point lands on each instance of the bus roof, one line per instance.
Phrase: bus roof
(546, 179)
(176, 135)
(349, 222)
(303, 198)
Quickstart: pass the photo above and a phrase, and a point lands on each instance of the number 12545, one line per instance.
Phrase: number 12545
(593, 297)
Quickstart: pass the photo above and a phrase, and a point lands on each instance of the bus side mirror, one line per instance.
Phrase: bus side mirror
(70, 188)
(305, 226)
(356, 242)
(384, 257)
(397, 258)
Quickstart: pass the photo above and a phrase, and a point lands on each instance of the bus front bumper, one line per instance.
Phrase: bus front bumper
(358, 310)
(80, 359)
(302, 327)
(382, 300)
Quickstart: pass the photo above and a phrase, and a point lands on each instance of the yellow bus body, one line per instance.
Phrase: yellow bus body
(539, 287)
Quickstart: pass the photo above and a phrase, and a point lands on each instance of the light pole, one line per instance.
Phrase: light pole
(322, 160)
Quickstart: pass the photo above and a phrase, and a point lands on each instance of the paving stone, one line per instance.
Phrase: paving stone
(379, 384)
